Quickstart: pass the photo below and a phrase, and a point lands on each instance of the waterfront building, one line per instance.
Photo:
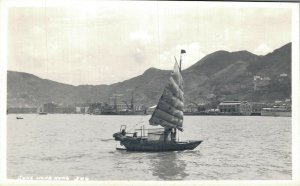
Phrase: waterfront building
(116, 104)
(256, 107)
(82, 109)
(138, 107)
(65, 110)
(121, 107)
(48, 108)
(213, 111)
(191, 108)
(283, 75)
(95, 108)
(96, 111)
(278, 108)
(235, 107)
(21, 110)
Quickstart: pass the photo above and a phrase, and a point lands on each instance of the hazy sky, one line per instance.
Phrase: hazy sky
(114, 41)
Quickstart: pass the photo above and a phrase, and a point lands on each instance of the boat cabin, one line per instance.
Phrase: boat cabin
(158, 135)
(154, 134)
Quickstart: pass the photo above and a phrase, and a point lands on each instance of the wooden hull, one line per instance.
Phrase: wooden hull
(159, 147)
(140, 144)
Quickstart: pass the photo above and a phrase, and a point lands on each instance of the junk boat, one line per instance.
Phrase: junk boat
(168, 114)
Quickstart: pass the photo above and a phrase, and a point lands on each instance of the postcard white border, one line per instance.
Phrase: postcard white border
(56, 3)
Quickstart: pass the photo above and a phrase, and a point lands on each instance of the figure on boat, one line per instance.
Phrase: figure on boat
(168, 114)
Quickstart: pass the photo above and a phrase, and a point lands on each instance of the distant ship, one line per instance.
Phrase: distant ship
(125, 112)
(19, 117)
(113, 110)
(276, 111)
(168, 114)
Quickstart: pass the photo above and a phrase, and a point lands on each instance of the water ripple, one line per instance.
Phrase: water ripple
(73, 145)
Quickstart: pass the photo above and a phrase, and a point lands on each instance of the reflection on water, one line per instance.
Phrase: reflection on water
(161, 165)
(168, 166)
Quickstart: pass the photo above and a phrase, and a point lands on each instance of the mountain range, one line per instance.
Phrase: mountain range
(221, 75)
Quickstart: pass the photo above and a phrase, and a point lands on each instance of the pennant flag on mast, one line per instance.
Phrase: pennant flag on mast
(181, 52)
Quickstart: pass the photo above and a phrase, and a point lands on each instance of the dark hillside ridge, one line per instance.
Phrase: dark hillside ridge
(222, 75)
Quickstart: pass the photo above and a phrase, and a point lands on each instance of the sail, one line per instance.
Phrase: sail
(169, 110)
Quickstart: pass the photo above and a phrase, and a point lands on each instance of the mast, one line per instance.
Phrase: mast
(182, 52)
(132, 103)
(173, 138)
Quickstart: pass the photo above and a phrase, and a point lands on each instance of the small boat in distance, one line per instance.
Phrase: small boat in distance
(19, 117)
(43, 113)
(168, 114)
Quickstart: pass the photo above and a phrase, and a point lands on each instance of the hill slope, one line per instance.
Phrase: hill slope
(227, 75)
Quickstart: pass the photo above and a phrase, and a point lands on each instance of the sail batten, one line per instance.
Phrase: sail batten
(165, 123)
(172, 100)
(168, 117)
(169, 110)
(175, 89)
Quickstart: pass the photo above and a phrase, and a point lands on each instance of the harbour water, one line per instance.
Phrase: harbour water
(234, 147)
